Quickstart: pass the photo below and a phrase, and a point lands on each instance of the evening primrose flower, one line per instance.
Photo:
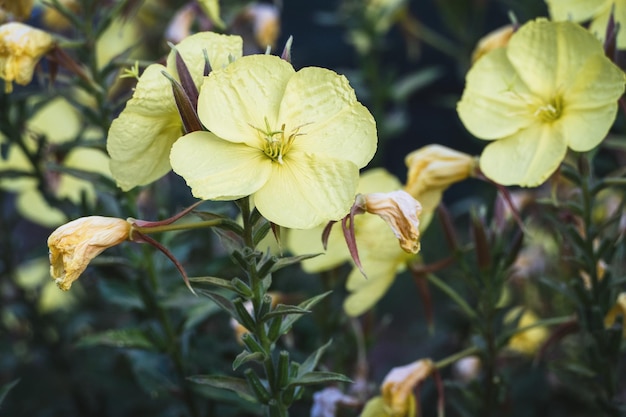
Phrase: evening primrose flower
(293, 140)
(140, 139)
(596, 11)
(21, 48)
(528, 99)
(73, 245)
(381, 256)
(397, 399)
(431, 170)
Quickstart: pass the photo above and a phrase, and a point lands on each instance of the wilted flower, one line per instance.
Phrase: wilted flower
(73, 245)
(619, 309)
(400, 211)
(21, 48)
(325, 402)
(496, 39)
(598, 11)
(397, 399)
(431, 170)
(140, 139)
(529, 340)
(381, 256)
(526, 98)
(293, 140)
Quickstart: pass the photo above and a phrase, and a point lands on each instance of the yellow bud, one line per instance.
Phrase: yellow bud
(21, 48)
(400, 211)
(398, 385)
(434, 168)
(73, 245)
(619, 309)
(495, 39)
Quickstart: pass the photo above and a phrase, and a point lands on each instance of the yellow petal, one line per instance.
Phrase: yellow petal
(376, 407)
(18, 161)
(332, 120)
(309, 241)
(236, 117)
(219, 170)
(31, 204)
(153, 94)
(543, 53)
(307, 190)
(58, 121)
(527, 158)
(220, 49)
(601, 20)
(139, 147)
(492, 105)
(85, 159)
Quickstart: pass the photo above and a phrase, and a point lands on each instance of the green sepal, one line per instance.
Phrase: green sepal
(253, 345)
(243, 316)
(237, 385)
(256, 386)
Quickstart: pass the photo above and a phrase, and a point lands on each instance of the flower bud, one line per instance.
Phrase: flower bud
(495, 39)
(21, 48)
(400, 211)
(73, 245)
(434, 168)
(619, 309)
(398, 385)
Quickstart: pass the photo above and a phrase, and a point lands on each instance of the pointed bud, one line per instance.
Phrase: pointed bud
(186, 109)
(498, 38)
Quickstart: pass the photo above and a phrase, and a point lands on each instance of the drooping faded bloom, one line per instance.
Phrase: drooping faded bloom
(619, 309)
(21, 48)
(140, 139)
(295, 141)
(596, 11)
(397, 399)
(73, 245)
(432, 169)
(381, 256)
(528, 99)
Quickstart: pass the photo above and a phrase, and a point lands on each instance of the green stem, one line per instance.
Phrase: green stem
(455, 296)
(472, 350)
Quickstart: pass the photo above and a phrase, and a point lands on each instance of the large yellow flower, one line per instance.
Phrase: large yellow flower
(381, 255)
(293, 140)
(140, 139)
(596, 11)
(549, 89)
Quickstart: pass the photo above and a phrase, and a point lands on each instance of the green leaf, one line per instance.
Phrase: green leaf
(120, 338)
(121, 293)
(311, 362)
(237, 385)
(408, 85)
(319, 377)
(6, 388)
(200, 313)
(290, 319)
(290, 260)
(224, 303)
(283, 310)
(218, 282)
(246, 356)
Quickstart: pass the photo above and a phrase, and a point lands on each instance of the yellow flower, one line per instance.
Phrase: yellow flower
(526, 341)
(619, 309)
(549, 89)
(293, 140)
(73, 245)
(381, 256)
(59, 123)
(397, 399)
(21, 48)
(597, 11)
(20, 9)
(431, 170)
(495, 39)
(140, 139)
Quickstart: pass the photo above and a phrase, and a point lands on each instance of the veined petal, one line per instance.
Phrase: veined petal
(543, 53)
(527, 158)
(607, 86)
(324, 107)
(235, 117)
(575, 10)
(600, 22)
(139, 147)
(219, 48)
(153, 94)
(216, 169)
(308, 190)
(584, 129)
(309, 241)
(493, 103)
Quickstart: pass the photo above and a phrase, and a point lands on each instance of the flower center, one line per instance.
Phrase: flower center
(276, 143)
(549, 112)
